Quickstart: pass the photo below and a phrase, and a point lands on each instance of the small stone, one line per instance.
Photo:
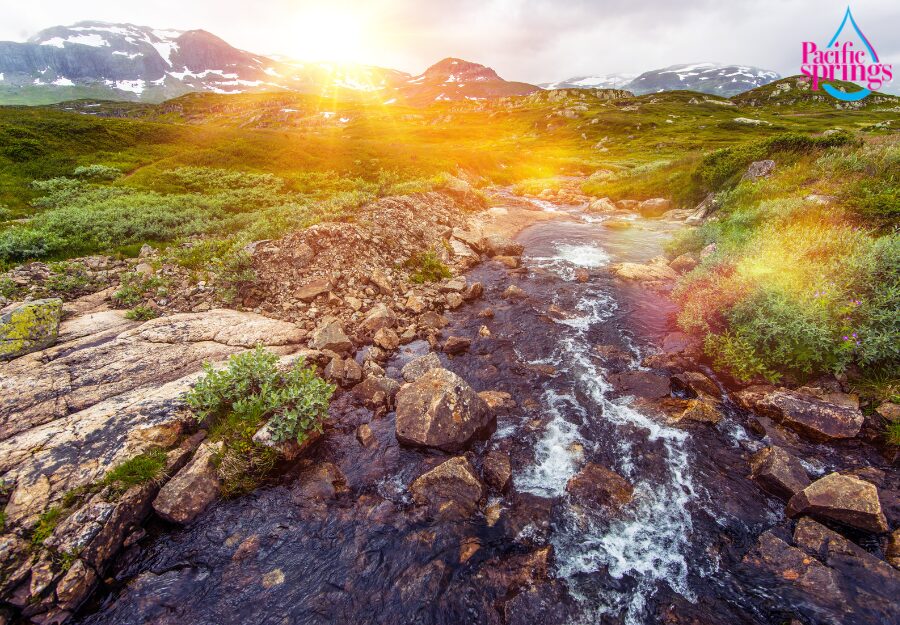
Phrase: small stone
(454, 300)
(487, 313)
(510, 262)
(365, 436)
(514, 292)
(433, 320)
(484, 332)
(381, 282)
(456, 345)
(415, 304)
(312, 290)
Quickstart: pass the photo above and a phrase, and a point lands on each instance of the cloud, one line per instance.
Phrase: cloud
(530, 40)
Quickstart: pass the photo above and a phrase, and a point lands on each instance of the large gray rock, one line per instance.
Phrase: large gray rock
(29, 327)
(192, 490)
(841, 498)
(441, 410)
(417, 367)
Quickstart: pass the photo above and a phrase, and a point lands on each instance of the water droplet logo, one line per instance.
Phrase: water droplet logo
(840, 60)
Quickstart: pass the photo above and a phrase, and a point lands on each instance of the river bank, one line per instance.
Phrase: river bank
(613, 488)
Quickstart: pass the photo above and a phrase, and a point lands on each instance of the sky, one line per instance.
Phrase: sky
(529, 40)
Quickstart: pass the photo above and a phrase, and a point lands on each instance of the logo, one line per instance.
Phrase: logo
(841, 60)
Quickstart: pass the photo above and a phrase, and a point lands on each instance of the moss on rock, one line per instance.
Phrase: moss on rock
(29, 327)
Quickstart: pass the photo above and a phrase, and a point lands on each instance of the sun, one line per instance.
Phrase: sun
(329, 34)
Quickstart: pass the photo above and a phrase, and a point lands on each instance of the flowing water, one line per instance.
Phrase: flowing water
(307, 551)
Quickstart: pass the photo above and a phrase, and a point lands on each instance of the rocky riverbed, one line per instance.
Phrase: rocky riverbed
(528, 441)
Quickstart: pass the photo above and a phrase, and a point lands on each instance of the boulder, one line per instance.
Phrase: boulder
(778, 473)
(759, 169)
(640, 384)
(683, 263)
(441, 410)
(474, 241)
(693, 384)
(841, 498)
(832, 548)
(497, 470)
(451, 490)
(650, 272)
(602, 205)
(815, 418)
(456, 345)
(29, 327)
(496, 245)
(192, 490)
(475, 290)
(599, 486)
(704, 409)
(378, 317)
(654, 207)
(331, 336)
(433, 321)
(510, 262)
(454, 285)
(417, 367)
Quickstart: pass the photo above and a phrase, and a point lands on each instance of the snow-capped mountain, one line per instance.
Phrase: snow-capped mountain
(603, 81)
(456, 79)
(129, 62)
(712, 78)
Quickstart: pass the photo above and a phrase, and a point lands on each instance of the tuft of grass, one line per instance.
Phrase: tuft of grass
(141, 312)
(143, 468)
(47, 522)
(892, 433)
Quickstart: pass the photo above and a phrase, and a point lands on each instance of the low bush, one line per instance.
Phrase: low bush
(249, 392)
(427, 267)
(141, 313)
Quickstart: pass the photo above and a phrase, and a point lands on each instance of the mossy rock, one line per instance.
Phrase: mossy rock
(29, 327)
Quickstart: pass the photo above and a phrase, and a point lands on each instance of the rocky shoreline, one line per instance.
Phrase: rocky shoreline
(340, 295)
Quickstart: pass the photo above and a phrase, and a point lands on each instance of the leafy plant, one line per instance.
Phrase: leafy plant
(427, 267)
(141, 312)
(97, 172)
(247, 393)
(133, 287)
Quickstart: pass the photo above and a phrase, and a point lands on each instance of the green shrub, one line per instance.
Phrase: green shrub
(97, 172)
(141, 313)
(134, 287)
(233, 272)
(427, 267)
(247, 393)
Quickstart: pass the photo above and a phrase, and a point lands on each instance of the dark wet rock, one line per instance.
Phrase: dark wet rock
(29, 327)
(456, 345)
(678, 342)
(496, 245)
(528, 516)
(790, 566)
(599, 486)
(498, 401)
(441, 410)
(417, 367)
(486, 313)
(834, 550)
(331, 336)
(778, 472)
(344, 372)
(641, 384)
(547, 603)
(759, 169)
(451, 490)
(496, 470)
(614, 357)
(514, 292)
(692, 384)
(892, 553)
(376, 391)
(816, 418)
(843, 499)
(193, 488)
(320, 481)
